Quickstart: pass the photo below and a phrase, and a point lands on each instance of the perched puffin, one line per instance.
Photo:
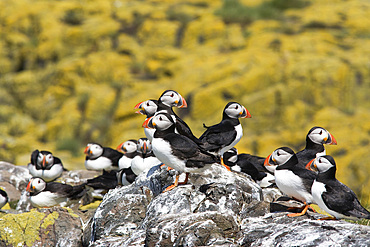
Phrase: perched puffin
(241, 163)
(221, 137)
(175, 150)
(291, 179)
(148, 108)
(44, 165)
(331, 195)
(3, 198)
(101, 184)
(51, 194)
(101, 158)
(140, 163)
(129, 150)
(315, 140)
(166, 101)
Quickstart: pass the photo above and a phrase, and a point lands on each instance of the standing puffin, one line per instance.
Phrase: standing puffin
(3, 198)
(140, 163)
(44, 165)
(175, 150)
(331, 195)
(129, 150)
(99, 158)
(315, 140)
(291, 179)
(221, 137)
(51, 194)
(241, 163)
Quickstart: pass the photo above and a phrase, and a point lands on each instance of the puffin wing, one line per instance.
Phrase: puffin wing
(64, 190)
(184, 130)
(339, 198)
(306, 175)
(34, 156)
(218, 135)
(186, 149)
(113, 154)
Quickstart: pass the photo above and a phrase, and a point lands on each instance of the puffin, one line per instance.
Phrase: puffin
(148, 108)
(103, 183)
(315, 140)
(175, 150)
(290, 178)
(3, 198)
(140, 163)
(166, 101)
(241, 163)
(129, 150)
(221, 137)
(51, 194)
(45, 165)
(99, 157)
(331, 195)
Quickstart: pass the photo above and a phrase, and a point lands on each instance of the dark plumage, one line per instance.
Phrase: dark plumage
(175, 150)
(222, 136)
(106, 181)
(332, 196)
(242, 163)
(315, 140)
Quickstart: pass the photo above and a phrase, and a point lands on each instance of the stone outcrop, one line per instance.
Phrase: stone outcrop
(215, 208)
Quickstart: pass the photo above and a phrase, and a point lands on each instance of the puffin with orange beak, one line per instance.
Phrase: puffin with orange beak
(101, 158)
(331, 195)
(175, 150)
(316, 138)
(44, 165)
(129, 150)
(51, 194)
(290, 178)
(140, 163)
(165, 103)
(221, 137)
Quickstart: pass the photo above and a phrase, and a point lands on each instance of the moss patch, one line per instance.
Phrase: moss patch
(23, 229)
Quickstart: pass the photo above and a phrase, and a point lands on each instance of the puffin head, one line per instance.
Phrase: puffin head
(173, 99)
(36, 184)
(236, 110)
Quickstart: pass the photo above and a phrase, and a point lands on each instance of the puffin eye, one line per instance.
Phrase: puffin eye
(160, 118)
(236, 107)
(278, 153)
(320, 132)
(147, 104)
(38, 181)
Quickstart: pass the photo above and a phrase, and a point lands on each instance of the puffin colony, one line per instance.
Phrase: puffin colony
(307, 176)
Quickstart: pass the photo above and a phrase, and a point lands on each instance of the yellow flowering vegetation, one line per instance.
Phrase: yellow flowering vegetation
(71, 72)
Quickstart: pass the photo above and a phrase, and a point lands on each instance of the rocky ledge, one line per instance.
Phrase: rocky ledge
(216, 208)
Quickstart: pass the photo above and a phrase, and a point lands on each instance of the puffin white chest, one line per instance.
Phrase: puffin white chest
(163, 151)
(292, 185)
(239, 134)
(99, 164)
(48, 199)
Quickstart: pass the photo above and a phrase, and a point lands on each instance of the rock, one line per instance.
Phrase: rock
(277, 229)
(216, 208)
(41, 227)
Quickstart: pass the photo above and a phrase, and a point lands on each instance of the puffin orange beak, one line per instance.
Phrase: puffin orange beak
(138, 106)
(44, 162)
(145, 148)
(331, 140)
(245, 113)
(308, 166)
(183, 103)
(28, 189)
(267, 163)
(146, 123)
(119, 147)
(87, 150)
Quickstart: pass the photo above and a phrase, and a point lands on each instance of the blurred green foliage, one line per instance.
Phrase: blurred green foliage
(72, 71)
